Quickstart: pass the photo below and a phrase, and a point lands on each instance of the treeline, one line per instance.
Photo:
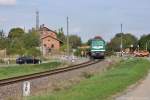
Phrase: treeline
(19, 42)
(129, 41)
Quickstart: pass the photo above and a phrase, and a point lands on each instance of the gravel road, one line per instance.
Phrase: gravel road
(140, 92)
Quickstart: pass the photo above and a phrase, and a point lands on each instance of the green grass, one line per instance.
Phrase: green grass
(6, 72)
(104, 85)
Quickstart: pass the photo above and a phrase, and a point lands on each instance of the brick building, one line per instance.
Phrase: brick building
(49, 40)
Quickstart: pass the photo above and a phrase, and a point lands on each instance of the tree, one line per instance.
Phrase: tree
(61, 36)
(23, 43)
(2, 34)
(16, 46)
(3, 43)
(144, 42)
(3, 40)
(127, 40)
(31, 39)
(33, 52)
(74, 41)
(63, 48)
(16, 33)
(89, 42)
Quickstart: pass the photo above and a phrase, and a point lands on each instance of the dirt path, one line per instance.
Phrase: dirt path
(141, 92)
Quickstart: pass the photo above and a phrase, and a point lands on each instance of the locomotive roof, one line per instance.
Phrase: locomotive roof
(98, 37)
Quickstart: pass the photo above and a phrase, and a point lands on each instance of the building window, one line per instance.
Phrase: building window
(52, 46)
(44, 45)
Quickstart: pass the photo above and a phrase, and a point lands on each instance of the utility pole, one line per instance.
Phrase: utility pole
(68, 51)
(121, 46)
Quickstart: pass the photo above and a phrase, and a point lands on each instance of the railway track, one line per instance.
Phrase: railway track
(13, 80)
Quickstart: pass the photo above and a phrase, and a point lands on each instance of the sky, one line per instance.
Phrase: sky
(87, 18)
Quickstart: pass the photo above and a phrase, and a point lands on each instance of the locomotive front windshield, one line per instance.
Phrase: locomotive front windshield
(97, 43)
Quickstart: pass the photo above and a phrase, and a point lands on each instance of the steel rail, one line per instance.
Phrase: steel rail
(13, 80)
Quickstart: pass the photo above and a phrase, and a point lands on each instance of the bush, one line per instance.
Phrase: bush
(2, 61)
(33, 52)
(78, 52)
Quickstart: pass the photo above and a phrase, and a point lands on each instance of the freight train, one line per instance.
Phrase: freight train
(97, 48)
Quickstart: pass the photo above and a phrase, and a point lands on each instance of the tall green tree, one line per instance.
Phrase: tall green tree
(3, 43)
(2, 34)
(127, 40)
(89, 42)
(16, 46)
(16, 33)
(31, 39)
(3, 40)
(75, 41)
(22, 43)
(61, 36)
(144, 42)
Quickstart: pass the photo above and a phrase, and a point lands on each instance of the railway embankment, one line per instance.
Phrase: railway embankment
(18, 70)
(52, 83)
(101, 86)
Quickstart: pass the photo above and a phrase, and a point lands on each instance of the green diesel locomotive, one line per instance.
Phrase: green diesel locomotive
(97, 48)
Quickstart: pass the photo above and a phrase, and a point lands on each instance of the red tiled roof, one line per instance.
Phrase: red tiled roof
(51, 37)
(47, 29)
(48, 34)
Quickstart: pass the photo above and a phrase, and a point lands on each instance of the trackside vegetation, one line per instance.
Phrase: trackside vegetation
(7, 72)
(104, 85)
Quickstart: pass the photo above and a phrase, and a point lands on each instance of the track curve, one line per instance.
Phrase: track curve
(13, 80)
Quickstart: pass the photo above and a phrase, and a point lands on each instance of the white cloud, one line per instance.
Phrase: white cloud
(7, 2)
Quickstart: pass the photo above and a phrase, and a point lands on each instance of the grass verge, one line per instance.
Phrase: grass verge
(6, 72)
(104, 85)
